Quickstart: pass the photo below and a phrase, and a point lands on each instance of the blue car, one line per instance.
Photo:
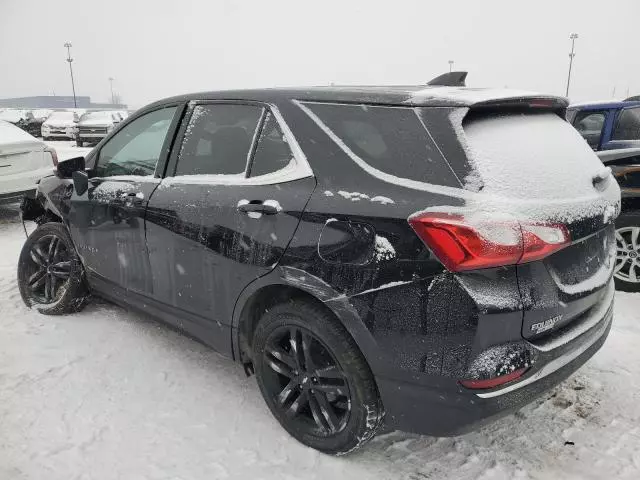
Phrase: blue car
(607, 125)
(612, 129)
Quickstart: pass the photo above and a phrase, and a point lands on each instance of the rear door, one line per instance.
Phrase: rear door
(535, 168)
(223, 216)
(107, 221)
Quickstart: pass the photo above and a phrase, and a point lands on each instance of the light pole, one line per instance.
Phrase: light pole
(450, 65)
(573, 37)
(111, 79)
(73, 85)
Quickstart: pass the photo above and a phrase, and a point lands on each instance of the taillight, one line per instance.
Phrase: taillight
(54, 155)
(493, 382)
(468, 244)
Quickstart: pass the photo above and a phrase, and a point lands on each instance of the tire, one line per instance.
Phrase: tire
(79, 143)
(339, 380)
(51, 277)
(626, 225)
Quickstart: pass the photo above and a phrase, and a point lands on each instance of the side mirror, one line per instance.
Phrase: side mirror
(66, 168)
(80, 182)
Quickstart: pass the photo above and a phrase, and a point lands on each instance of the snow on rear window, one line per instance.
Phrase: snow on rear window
(530, 156)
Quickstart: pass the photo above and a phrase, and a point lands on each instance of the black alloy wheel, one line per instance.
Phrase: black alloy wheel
(50, 274)
(51, 267)
(308, 384)
(314, 378)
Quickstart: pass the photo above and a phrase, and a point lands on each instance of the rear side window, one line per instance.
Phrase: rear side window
(628, 125)
(218, 140)
(272, 152)
(390, 139)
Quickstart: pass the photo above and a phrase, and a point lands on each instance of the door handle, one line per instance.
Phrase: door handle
(270, 208)
(131, 195)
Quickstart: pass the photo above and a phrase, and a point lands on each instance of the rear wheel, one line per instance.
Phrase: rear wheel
(50, 274)
(627, 269)
(314, 378)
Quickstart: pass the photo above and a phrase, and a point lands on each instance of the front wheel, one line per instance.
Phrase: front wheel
(627, 269)
(50, 275)
(314, 378)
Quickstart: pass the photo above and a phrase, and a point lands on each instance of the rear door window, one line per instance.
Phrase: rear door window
(628, 125)
(392, 140)
(218, 140)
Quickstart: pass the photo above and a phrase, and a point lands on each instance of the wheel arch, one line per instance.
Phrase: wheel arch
(274, 289)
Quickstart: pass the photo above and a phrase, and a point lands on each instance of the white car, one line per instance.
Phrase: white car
(60, 125)
(94, 126)
(23, 161)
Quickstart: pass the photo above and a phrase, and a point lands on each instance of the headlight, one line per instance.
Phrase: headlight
(109, 128)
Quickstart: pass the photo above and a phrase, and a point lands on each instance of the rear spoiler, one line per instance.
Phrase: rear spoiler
(450, 79)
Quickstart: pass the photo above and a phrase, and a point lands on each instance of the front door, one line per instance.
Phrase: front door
(227, 215)
(107, 221)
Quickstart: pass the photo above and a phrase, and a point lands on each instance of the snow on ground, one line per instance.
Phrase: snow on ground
(109, 394)
(67, 149)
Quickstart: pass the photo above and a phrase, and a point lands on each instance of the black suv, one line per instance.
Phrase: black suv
(431, 257)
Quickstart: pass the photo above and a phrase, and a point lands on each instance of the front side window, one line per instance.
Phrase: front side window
(590, 125)
(135, 150)
(628, 125)
(218, 140)
(272, 152)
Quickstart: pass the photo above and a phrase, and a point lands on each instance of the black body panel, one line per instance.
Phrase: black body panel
(184, 252)
(203, 251)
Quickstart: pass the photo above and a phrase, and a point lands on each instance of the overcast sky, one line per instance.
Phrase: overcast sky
(157, 48)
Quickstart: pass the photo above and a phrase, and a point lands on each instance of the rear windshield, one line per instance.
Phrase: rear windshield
(390, 139)
(529, 156)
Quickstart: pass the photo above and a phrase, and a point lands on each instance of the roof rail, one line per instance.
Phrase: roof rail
(450, 79)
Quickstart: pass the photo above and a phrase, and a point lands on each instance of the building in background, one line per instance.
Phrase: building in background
(57, 101)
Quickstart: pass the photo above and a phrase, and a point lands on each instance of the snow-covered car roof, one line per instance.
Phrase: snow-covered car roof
(422, 95)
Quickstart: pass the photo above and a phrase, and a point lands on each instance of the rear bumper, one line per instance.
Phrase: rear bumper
(446, 408)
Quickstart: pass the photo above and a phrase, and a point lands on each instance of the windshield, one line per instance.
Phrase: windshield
(96, 116)
(62, 117)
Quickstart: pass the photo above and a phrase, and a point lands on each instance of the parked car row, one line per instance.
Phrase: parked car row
(426, 257)
(71, 124)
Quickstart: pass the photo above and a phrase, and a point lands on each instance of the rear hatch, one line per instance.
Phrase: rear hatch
(531, 165)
